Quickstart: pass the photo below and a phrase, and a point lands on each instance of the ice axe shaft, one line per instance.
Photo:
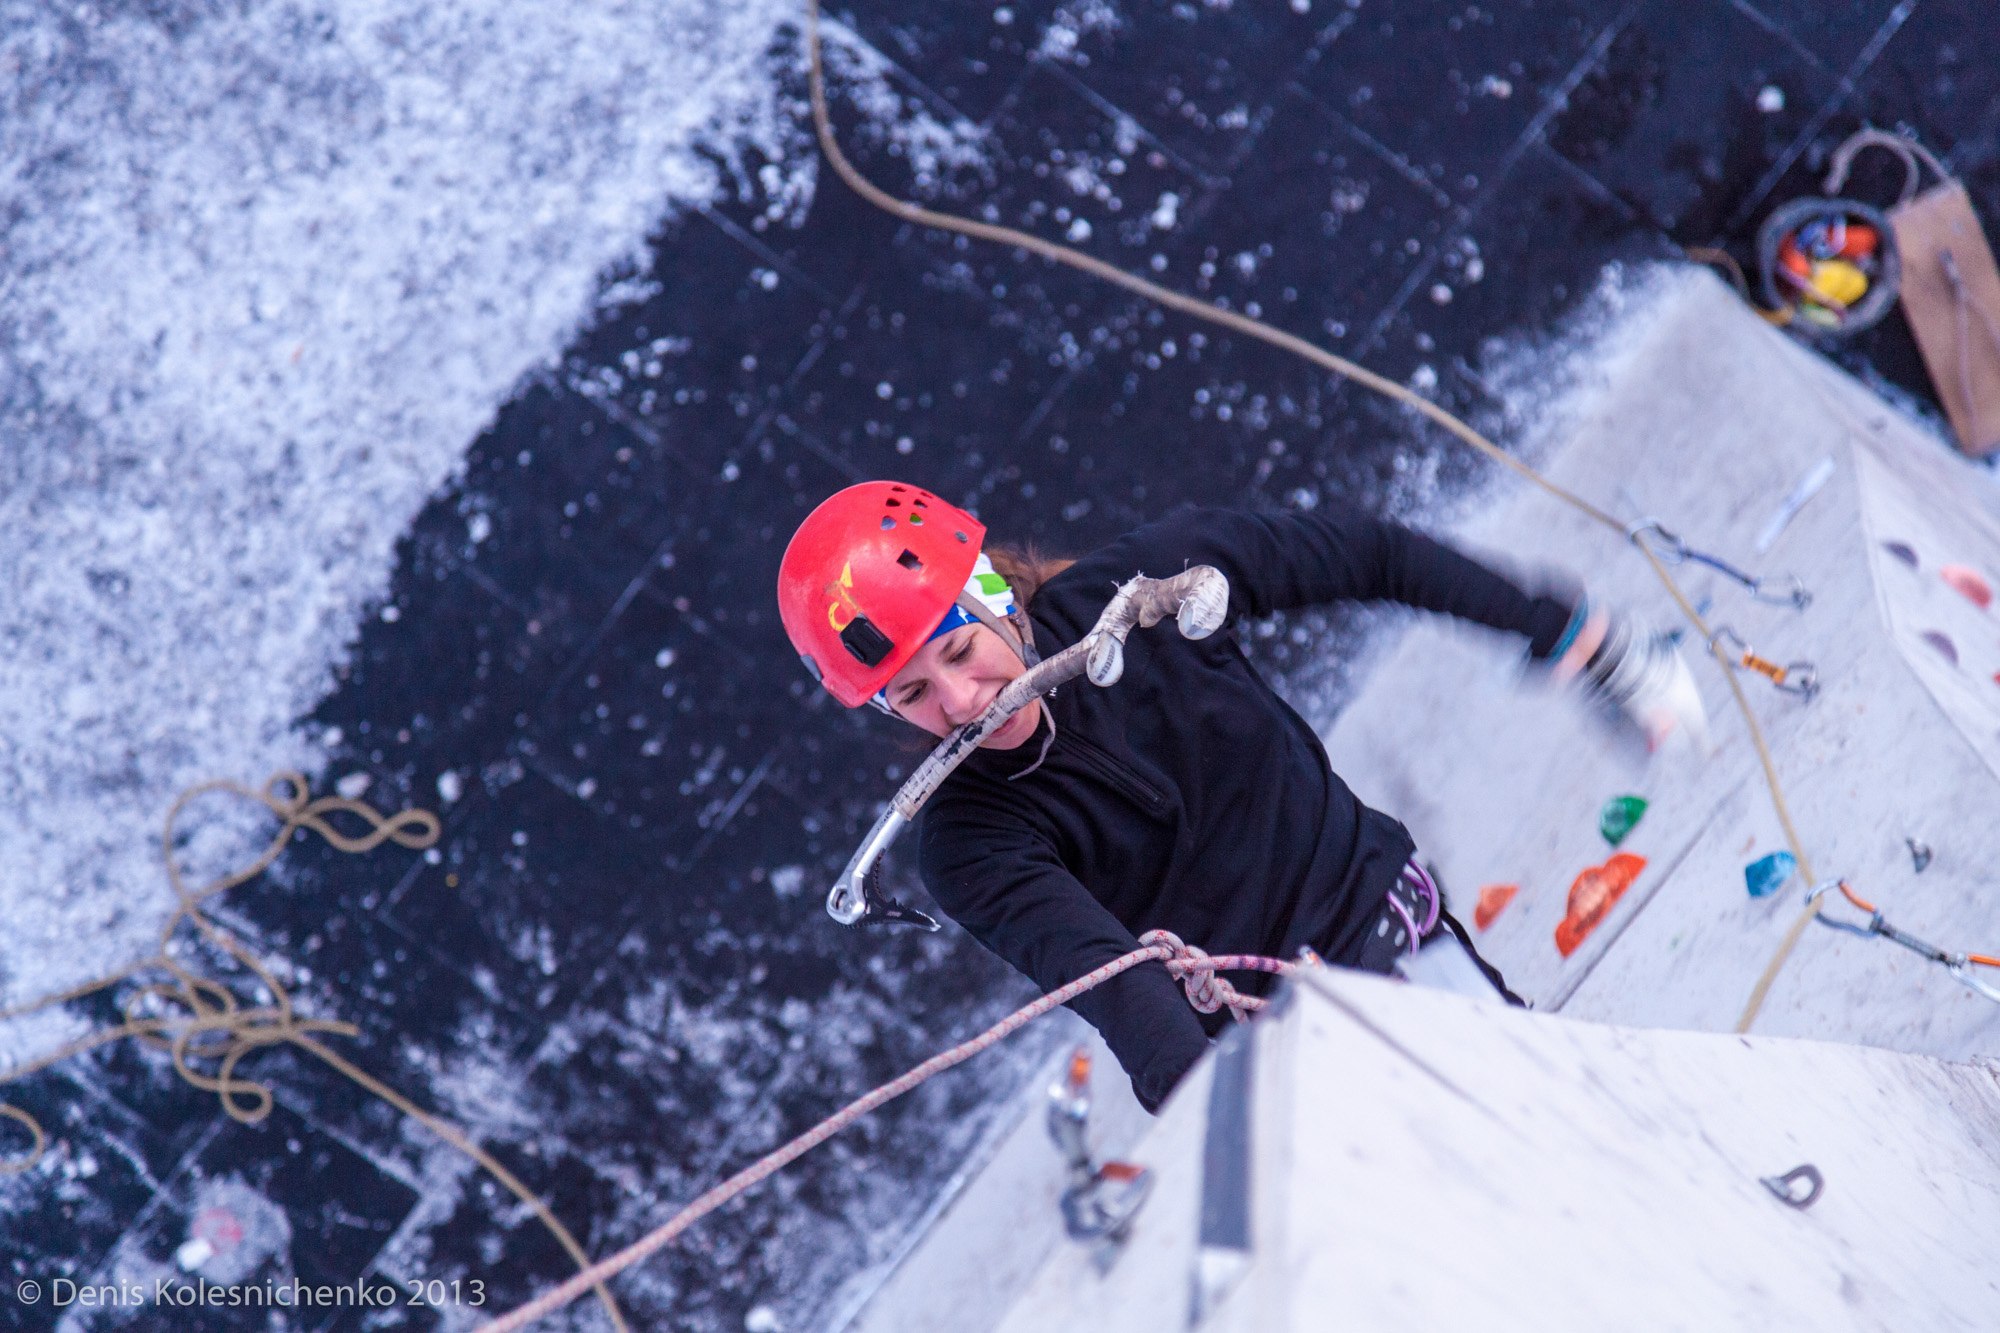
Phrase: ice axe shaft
(1198, 599)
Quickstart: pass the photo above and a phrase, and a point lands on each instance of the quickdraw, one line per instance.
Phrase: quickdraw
(1800, 678)
(1672, 549)
(1960, 965)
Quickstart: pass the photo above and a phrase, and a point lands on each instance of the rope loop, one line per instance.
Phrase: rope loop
(20, 1162)
(1195, 970)
(202, 1024)
(1902, 145)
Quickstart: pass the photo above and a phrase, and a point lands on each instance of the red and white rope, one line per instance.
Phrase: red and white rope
(1194, 969)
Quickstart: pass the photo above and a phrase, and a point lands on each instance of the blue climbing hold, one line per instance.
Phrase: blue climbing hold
(1767, 874)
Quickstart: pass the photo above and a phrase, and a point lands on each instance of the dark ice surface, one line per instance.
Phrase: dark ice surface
(617, 970)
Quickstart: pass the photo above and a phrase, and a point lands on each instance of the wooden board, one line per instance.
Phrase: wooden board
(1961, 348)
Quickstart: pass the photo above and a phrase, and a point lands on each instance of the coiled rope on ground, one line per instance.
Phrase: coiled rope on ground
(207, 1029)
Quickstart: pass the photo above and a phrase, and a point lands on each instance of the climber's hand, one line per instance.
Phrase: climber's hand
(1639, 676)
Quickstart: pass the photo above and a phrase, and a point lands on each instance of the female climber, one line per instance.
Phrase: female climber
(1188, 797)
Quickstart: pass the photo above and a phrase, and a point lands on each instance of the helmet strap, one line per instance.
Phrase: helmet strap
(1024, 645)
(1023, 636)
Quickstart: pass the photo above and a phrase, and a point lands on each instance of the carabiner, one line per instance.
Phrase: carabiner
(1783, 590)
(1820, 890)
(1801, 678)
(1962, 970)
(1776, 590)
(1671, 550)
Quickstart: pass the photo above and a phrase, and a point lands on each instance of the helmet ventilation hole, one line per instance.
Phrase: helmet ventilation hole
(909, 560)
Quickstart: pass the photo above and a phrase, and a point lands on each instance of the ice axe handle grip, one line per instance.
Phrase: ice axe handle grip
(1197, 598)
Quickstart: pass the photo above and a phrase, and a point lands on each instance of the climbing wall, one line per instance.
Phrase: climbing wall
(1695, 412)
(1426, 1161)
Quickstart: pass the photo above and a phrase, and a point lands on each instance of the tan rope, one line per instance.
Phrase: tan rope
(1153, 291)
(207, 1030)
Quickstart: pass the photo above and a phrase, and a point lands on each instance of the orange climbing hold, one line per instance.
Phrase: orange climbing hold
(1593, 895)
(1491, 899)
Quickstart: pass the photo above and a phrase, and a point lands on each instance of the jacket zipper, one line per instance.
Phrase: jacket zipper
(1119, 775)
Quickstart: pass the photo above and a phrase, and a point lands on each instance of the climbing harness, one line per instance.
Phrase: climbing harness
(1416, 882)
(1788, 590)
(1197, 598)
(1800, 678)
(1960, 965)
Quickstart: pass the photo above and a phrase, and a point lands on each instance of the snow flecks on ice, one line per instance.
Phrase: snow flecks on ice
(272, 273)
(267, 273)
(1072, 22)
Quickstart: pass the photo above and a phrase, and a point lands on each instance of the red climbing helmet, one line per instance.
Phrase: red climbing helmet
(867, 577)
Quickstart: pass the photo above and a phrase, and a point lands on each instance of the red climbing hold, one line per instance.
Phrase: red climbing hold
(1491, 899)
(1593, 895)
(1969, 584)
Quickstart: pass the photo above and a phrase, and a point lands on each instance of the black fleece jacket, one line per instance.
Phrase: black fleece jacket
(1189, 796)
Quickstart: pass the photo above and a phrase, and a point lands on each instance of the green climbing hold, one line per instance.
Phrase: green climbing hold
(1620, 815)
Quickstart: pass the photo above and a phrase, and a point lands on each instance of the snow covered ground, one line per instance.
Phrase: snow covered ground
(268, 269)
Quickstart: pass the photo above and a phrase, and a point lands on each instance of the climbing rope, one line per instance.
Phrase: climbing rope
(1645, 537)
(207, 1029)
(1196, 970)
(1193, 968)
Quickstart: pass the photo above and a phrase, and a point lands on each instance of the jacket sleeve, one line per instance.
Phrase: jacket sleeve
(1336, 552)
(1004, 884)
